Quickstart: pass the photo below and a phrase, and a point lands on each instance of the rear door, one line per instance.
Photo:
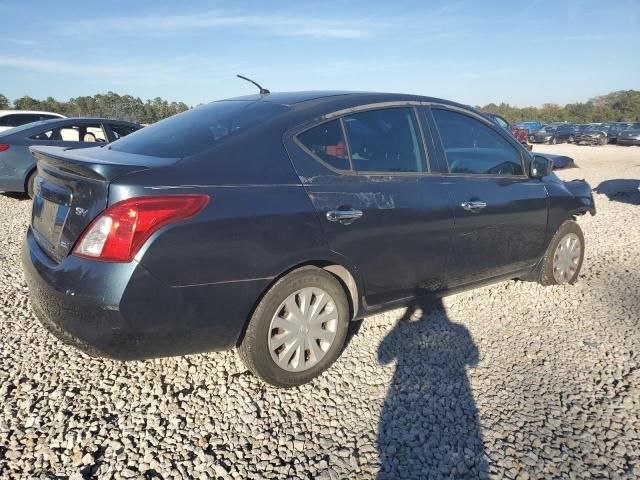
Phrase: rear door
(368, 176)
(500, 213)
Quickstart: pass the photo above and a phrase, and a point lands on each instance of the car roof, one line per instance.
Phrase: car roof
(303, 98)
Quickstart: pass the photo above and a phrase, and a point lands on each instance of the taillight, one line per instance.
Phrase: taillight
(3, 147)
(117, 234)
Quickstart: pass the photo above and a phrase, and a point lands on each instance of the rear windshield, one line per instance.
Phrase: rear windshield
(197, 130)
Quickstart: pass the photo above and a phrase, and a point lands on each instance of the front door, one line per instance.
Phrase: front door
(377, 202)
(500, 213)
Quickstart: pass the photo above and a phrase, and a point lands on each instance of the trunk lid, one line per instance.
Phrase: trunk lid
(72, 188)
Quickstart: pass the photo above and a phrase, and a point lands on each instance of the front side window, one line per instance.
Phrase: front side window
(471, 147)
(385, 140)
(501, 122)
(326, 141)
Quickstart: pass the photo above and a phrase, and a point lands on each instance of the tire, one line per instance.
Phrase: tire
(255, 348)
(603, 141)
(30, 180)
(569, 230)
(553, 141)
(570, 139)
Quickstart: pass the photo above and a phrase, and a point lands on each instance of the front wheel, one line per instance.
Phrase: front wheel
(563, 259)
(298, 329)
(570, 139)
(553, 141)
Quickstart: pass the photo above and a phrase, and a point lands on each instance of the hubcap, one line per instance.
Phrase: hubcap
(303, 329)
(566, 258)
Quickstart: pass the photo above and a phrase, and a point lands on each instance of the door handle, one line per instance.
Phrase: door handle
(473, 207)
(344, 217)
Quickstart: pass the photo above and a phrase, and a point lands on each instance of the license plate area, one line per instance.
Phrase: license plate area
(51, 205)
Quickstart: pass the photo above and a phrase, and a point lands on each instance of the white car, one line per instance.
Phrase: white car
(15, 118)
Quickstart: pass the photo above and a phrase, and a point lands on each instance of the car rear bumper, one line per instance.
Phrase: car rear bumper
(121, 311)
(628, 141)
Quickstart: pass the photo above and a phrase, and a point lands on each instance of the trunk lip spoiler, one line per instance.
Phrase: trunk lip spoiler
(95, 163)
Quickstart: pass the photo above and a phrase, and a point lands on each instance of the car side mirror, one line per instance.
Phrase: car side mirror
(540, 167)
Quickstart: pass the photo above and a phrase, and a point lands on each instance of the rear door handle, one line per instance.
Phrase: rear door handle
(473, 207)
(345, 217)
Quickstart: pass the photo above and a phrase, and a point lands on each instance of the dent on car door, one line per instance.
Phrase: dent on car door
(500, 213)
(377, 206)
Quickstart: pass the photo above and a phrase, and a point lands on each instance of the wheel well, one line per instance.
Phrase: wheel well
(343, 275)
(26, 178)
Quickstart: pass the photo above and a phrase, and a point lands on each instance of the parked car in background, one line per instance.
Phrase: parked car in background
(615, 129)
(554, 133)
(14, 118)
(519, 133)
(595, 134)
(17, 165)
(631, 136)
(581, 127)
(269, 222)
(530, 127)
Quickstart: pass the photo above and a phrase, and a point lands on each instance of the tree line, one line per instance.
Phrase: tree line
(621, 106)
(105, 105)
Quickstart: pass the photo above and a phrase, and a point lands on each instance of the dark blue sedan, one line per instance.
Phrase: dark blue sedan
(269, 222)
(17, 165)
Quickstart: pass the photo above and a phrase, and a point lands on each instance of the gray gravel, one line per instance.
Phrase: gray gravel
(513, 380)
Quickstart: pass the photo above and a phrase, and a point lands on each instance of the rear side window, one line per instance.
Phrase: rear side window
(471, 147)
(120, 131)
(326, 141)
(385, 140)
(73, 133)
(199, 129)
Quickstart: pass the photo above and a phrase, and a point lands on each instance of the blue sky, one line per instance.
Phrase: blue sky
(522, 52)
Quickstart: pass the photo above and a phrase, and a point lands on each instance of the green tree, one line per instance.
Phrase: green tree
(4, 102)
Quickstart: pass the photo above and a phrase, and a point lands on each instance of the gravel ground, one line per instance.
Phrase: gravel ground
(513, 380)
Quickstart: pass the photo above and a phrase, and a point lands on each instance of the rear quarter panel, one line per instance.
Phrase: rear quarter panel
(15, 165)
(259, 222)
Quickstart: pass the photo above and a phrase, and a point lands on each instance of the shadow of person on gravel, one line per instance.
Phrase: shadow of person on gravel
(429, 427)
(621, 190)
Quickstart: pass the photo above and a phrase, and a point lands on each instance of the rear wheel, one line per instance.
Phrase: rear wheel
(563, 260)
(30, 181)
(298, 329)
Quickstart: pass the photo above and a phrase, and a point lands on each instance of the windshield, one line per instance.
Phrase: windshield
(548, 129)
(596, 128)
(199, 129)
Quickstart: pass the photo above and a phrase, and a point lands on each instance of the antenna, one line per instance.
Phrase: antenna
(263, 91)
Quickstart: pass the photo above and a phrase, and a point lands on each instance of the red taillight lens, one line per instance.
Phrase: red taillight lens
(117, 234)
(4, 147)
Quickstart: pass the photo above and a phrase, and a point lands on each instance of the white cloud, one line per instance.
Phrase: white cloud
(137, 69)
(272, 24)
(17, 41)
